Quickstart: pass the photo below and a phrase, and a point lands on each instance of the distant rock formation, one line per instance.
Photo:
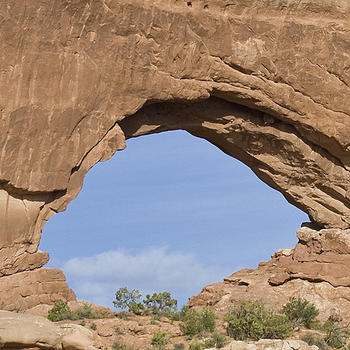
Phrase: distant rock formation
(265, 81)
(316, 269)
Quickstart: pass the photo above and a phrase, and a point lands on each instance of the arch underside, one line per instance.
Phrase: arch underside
(275, 150)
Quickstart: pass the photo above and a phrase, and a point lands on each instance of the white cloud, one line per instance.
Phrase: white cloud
(96, 278)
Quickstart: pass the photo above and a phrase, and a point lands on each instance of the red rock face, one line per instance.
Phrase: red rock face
(267, 82)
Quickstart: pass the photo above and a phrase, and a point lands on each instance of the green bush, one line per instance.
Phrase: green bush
(315, 339)
(93, 326)
(160, 304)
(85, 311)
(300, 312)
(195, 346)
(198, 322)
(179, 315)
(179, 346)
(61, 311)
(316, 325)
(277, 327)
(191, 323)
(251, 320)
(217, 340)
(137, 308)
(207, 318)
(336, 337)
(160, 340)
(125, 298)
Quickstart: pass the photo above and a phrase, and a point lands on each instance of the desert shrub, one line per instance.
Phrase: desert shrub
(315, 339)
(251, 320)
(2, 306)
(300, 312)
(336, 336)
(195, 346)
(207, 318)
(2, 343)
(191, 323)
(118, 346)
(82, 323)
(125, 298)
(85, 311)
(179, 346)
(137, 308)
(160, 340)
(198, 322)
(160, 304)
(277, 327)
(316, 325)
(179, 315)
(217, 340)
(93, 326)
(61, 311)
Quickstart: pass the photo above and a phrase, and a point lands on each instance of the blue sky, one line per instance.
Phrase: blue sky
(170, 212)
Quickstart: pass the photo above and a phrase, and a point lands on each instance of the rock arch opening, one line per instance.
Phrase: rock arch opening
(173, 200)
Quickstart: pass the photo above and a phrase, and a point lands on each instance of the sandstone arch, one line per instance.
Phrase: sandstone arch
(266, 81)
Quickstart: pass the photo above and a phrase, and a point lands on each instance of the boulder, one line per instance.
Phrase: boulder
(30, 331)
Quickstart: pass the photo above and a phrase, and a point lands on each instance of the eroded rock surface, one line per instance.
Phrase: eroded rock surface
(317, 269)
(26, 290)
(265, 81)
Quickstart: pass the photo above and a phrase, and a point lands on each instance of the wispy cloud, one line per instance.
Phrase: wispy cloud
(96, 278)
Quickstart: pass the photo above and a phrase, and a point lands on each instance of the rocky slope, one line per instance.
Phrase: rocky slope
(136, 333)
(265, 81)
(90, 334)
